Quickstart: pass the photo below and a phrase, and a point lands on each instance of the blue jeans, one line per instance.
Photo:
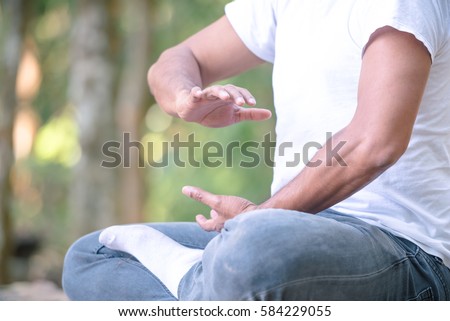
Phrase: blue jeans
(268, 255)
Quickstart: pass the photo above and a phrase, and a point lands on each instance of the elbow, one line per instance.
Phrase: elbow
(156, 88)
(156, 71)
(151, 78)
(374, 148)
(383, 154)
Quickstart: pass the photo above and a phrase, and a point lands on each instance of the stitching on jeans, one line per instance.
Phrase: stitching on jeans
(98, 248)
(425, 295)
(437, 272)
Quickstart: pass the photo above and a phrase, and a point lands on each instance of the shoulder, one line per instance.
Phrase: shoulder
(427, 20)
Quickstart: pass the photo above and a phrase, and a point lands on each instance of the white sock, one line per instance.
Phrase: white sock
(164, 257)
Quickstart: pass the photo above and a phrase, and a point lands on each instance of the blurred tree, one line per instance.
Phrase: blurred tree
(132, 93)
(92, 57)
(91, 83)
(12, 40)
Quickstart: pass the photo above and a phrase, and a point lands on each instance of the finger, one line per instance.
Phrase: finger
(253, 114)
(240, 96)
(207, 225)
(201, 196)
(216, 92)
(216, 219)
(235, 95)
(214, 215)
(196, 93)
(212, 224)
(249, 99)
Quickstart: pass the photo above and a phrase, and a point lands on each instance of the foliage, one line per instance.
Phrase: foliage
(42, 172)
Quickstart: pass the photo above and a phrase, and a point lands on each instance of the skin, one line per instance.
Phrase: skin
(394, 73)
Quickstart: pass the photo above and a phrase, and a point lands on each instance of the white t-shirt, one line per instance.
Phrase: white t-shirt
(316, 49)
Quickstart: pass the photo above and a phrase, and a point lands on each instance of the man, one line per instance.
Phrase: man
(373, 73)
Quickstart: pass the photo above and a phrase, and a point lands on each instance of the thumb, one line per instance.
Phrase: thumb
(254, 114)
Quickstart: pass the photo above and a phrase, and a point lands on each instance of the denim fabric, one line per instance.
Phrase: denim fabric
(94, 272)
(268, 255)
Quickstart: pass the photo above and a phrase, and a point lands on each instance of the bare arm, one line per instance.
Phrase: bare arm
(178, 78)
(394, 73)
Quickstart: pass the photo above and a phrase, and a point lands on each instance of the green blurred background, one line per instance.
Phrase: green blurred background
(73, 77)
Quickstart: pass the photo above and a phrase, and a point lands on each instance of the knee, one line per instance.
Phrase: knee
(80, 250)
(78, 256)
(255, 252)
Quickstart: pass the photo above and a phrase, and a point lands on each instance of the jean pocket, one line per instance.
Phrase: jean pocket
(425, 295)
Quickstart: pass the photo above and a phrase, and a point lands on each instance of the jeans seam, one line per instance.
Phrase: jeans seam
(424, 295)
(181, 285)
(325, 278)
(191, 246)
(98, 248)
(437, 273)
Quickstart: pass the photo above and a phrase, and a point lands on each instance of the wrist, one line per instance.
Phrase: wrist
(280, 201)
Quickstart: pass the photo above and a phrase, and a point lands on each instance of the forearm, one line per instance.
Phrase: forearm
(325, 182)
(200, 60)
(175, 71)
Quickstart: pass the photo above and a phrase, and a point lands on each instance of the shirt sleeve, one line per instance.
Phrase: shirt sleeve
(427, 20)
(255, 23)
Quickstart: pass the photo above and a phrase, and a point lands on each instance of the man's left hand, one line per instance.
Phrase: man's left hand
(223, 207)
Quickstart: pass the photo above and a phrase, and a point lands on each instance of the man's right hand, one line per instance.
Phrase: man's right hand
(219, 106)
(213, 54)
